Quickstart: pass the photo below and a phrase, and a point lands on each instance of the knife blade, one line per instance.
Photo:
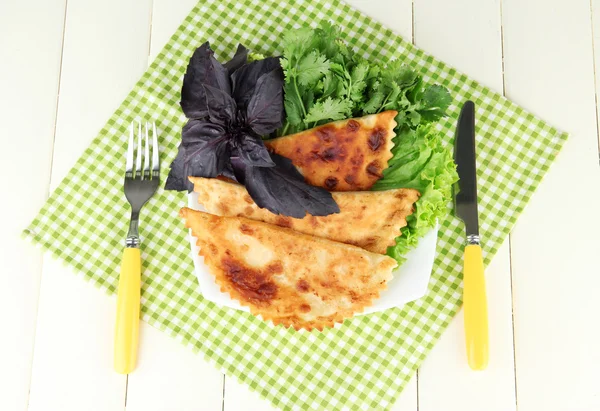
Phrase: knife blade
(465, 198)
(465, 208)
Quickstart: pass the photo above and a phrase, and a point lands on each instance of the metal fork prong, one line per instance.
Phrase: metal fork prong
(129, 158)
(140, 183)
(146, 154)
(155, 152)
(138, 160)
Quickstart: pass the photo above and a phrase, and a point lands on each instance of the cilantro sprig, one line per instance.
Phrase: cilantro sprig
(326, 81)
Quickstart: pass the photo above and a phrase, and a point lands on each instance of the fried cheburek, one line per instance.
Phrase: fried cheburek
(368, 219)
(287, 277)
(345, 155)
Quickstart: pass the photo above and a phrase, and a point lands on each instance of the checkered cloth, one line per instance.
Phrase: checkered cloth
(362, 364)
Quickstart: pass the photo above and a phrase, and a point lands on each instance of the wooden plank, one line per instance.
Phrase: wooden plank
(166, 18)
(30, 49)
(473, 46)
(596, 44)
(396, 15)
(445, 380)
(72, 368)
(105, 52)
(408, 399)
(549, 69)
(239, 398)
(169, 375)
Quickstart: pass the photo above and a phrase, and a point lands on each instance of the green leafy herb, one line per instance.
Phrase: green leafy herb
(311, 68)
(326, 81)
(422, 162)
(329, 109)
(324, 78)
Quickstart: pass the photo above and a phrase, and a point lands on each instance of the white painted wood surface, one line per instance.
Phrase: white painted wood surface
(445, 372)
(554, 254)
(27, 36)
(68, 63)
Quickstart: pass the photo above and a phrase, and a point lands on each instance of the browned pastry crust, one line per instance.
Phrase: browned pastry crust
(346, 155)
(368, 219)
(286, 277)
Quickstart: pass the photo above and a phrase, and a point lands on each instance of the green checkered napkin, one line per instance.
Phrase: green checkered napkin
(363, 364)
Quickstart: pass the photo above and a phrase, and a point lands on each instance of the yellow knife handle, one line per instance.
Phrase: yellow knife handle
(127, 326)
(475, 306)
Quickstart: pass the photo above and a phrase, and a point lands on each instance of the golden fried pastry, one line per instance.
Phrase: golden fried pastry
(368, 219)
(287, 277)
(346, 155)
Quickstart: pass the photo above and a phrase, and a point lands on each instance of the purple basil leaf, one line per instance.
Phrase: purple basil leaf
(195, 128)
(252, 151)
(206, 158)
(228, 172)
(203, 152)
(282, 190)
(245, 78)
(177, 180)
(238, 60)
(206, 149)
(238, 167)
(203, 69)
(221, 107)
(265, 108)
(286, 166)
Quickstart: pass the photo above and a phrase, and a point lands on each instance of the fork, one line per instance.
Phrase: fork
(140, 184)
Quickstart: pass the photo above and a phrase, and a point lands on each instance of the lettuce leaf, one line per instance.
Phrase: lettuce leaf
(421, 161)
(326, 81)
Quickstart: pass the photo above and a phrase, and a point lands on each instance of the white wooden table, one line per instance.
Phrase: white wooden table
(65, 65)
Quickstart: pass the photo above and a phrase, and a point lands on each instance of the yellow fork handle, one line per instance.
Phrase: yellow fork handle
(475, 305)
(127, 326)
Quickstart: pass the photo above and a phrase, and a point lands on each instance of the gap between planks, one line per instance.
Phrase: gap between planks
(595, 77)
(223, 402)
(62, 50)
(47, 194)
(150, 31)
(510, 262)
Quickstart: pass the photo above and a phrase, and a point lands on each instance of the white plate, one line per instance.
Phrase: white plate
(409, 282)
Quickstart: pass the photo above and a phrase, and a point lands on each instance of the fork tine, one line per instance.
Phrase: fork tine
(155, 152)
(138, 161)
(129, 158)
(146, 154)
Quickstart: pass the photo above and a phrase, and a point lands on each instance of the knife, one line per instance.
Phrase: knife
(465, 208)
